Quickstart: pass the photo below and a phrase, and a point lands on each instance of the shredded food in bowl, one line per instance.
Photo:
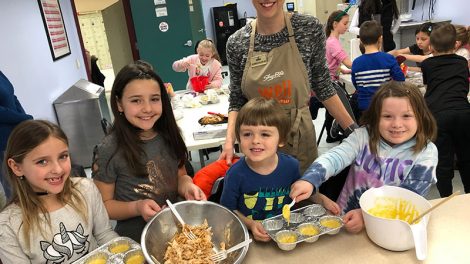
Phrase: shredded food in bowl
(182, 250)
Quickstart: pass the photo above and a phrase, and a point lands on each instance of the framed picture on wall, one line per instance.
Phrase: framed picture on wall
(55, 28)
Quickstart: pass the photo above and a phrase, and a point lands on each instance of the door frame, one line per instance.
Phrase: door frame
(130, 32)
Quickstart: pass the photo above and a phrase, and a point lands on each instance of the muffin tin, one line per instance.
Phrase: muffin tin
(307, 224)
(121, 250)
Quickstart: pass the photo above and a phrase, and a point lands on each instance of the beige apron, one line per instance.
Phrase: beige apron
(280, 74)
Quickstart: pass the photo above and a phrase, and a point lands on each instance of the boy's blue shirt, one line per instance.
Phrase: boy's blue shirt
(369, 71)
(259, 196)
(395, 166)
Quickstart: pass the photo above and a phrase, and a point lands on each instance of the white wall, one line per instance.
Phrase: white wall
(456, 10)
(26, 60)
(242, 7)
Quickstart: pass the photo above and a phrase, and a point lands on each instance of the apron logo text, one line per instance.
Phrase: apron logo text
(269, 76)
(281, 92)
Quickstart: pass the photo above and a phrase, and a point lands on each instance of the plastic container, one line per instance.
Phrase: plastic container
(395, 234)
(199, 83)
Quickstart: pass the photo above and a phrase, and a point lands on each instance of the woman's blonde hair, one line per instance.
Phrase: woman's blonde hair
(426, 124)
(209, 44)
(24, 138)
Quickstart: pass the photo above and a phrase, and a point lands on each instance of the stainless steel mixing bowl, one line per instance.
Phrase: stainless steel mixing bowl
(226, 227)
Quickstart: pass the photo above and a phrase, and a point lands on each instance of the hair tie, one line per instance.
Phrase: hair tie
(342, 13)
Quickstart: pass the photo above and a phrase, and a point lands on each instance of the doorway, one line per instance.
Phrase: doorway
(158, 32)
(103, 30)
(167, 31)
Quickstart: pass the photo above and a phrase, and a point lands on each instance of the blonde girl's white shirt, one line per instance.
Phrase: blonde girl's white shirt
(204, 69)
(71, 237)
(213, 71)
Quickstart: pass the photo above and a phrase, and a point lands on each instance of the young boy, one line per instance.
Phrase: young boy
(258, 185)
(446, 76)
(372, 68)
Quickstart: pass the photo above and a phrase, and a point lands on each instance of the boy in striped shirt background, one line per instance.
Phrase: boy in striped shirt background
(372, 68)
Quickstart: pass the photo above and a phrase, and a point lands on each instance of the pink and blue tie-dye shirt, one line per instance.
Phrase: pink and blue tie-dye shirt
(396, 166)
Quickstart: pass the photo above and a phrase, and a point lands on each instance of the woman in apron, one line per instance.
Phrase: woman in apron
(282, 56)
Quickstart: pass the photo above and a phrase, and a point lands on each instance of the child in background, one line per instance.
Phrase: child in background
(141, 163)
(52, 218)
(258, 185)
(336, 25)
(467, 46)
(392, 148)
(462, 39)
(419, 51)
(446, 77)
(205, 63)
(372, 68)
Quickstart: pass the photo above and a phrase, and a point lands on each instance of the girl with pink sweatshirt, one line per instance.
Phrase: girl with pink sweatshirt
(204, 63)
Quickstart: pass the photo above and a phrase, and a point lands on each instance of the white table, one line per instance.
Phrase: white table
(448, 240)
(189, 124)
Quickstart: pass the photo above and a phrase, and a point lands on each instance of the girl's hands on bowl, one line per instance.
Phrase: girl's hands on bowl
(353, 221)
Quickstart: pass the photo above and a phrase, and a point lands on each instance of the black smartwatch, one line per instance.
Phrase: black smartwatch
(350, 129)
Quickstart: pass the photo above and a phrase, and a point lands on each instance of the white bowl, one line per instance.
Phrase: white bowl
(393, 234)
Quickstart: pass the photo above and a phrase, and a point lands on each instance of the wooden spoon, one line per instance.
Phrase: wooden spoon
(434, 207)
